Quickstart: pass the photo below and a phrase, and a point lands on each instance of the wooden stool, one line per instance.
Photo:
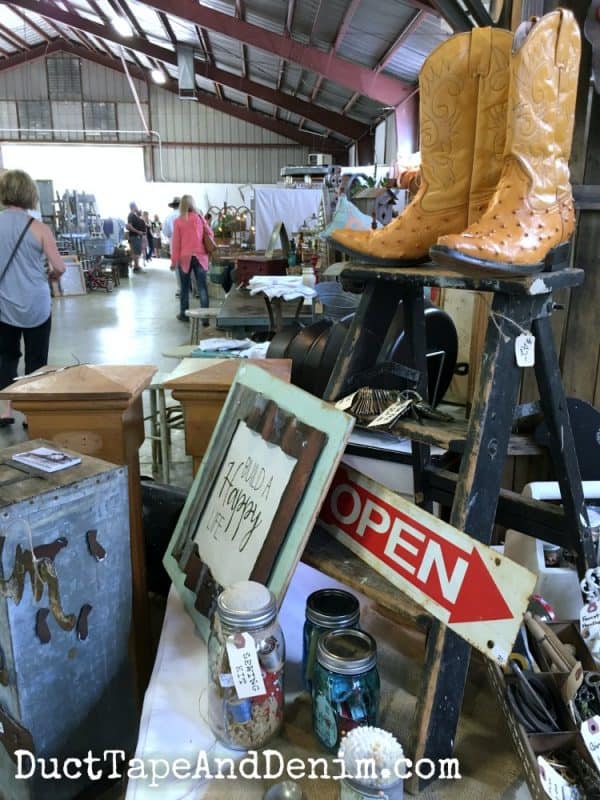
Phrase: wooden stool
(196, 315)
(519, 304)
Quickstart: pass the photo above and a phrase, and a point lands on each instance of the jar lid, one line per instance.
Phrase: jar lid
(248, 604)
(347, 652)
(332, 608)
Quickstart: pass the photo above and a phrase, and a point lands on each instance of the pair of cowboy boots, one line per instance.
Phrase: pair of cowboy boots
(496, 124)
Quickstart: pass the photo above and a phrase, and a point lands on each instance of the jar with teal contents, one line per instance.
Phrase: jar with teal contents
(326, 610)
(345, 688)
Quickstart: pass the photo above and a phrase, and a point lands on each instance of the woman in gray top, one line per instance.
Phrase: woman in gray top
(25, 302)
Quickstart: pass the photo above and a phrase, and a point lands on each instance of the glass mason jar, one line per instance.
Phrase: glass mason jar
(345, 688)
(246, 654)
(326, 610)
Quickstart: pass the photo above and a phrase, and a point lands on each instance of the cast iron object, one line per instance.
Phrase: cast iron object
(585, 423)
(161, 506)
(282, 340)
(301, 345)
(315, 348)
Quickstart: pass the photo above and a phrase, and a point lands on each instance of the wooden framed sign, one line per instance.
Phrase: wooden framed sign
(258, 491)
(476, 592)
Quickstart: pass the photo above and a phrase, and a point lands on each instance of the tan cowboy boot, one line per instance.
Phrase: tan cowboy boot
(463, 89)
(530, 219)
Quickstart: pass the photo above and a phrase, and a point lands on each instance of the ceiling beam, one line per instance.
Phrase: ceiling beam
(289, 17)
(345, 24)
(410, 28)
(11, 37)
(322, 116)
(383, 88)
(167, 26)
(205, 98)
(40, 31)
(314, 23)
(455, 15)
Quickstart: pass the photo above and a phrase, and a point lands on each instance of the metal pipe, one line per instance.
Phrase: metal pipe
(92, 133)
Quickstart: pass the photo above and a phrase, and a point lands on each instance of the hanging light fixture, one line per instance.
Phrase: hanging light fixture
(158, 76)
(122, 27)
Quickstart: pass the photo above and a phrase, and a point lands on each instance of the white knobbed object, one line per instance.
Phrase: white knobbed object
(374, 763)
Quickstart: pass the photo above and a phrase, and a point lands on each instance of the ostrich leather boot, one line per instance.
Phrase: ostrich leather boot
(530, 219)
(463, 88)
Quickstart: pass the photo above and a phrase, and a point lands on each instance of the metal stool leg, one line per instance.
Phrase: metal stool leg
(164, 434)
(154, 429)
(195, 330)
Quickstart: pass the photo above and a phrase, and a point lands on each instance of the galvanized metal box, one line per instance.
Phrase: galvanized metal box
(65, 610)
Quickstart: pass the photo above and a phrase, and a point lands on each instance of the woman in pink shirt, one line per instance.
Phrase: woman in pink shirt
(188, 254)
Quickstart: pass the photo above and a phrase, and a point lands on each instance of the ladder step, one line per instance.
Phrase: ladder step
(452, 436)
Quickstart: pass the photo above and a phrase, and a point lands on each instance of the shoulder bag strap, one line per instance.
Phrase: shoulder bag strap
(16, 247)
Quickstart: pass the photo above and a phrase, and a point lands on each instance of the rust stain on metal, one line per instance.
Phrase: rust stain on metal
(41, 572)
(82, 622)
(94, 546)
(42, 630)
(14, 736)
(50, 550)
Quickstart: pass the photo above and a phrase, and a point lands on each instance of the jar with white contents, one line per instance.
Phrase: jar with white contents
(246, 655)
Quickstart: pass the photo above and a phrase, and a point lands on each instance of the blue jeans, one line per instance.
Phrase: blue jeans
(186, 277)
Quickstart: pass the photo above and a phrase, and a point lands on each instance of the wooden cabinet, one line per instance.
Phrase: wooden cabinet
(202, 395)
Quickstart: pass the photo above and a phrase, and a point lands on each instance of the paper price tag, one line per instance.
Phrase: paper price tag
(345, 402)
(245, 669)
(590, 733)
(589, 620)
(553, 783)
(391, 414)
(525, 349)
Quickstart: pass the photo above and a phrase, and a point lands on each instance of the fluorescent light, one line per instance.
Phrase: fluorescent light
(158, 76)
(122, 26)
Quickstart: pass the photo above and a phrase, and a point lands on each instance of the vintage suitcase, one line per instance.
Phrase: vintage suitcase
(65, 608)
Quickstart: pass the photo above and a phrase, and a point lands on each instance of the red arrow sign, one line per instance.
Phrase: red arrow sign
(445, 567)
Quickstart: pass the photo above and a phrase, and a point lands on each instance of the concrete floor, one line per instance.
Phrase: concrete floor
(135, 324)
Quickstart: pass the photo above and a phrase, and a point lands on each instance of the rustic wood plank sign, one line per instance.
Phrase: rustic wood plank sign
(476, 592)
(240, 509)
(258, 491)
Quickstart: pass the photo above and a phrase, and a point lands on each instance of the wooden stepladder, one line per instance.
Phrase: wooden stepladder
(520, 304)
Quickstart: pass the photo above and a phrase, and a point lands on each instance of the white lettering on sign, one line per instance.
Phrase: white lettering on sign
(395, 540)
(469, 587)
(243, 502)
(449, 584)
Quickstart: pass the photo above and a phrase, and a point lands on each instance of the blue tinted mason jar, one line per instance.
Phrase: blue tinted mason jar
(345, 688)
(326, 610)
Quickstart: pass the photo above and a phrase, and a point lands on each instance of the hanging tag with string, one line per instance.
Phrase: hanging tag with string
(524, 342)
(525, 349)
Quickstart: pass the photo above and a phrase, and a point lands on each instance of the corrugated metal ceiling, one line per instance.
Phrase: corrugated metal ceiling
(252, 42)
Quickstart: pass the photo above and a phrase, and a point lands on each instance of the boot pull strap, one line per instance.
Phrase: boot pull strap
(481, 51)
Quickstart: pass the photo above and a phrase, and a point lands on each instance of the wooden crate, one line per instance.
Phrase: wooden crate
(530, 746)
(65, 609)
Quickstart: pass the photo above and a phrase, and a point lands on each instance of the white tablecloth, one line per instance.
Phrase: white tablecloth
(173, 723)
